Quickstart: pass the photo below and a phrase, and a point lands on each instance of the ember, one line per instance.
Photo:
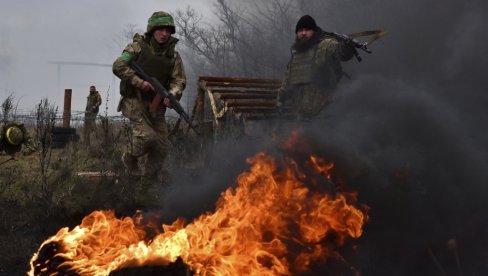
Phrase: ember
(275, 222)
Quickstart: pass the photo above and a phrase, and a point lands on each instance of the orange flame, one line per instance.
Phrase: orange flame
(270, 224)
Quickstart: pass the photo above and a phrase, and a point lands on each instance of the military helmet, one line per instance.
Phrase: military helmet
(160, 19)
(14, 135)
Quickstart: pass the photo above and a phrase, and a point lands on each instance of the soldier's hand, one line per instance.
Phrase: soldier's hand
(146, 86)
(167, 103)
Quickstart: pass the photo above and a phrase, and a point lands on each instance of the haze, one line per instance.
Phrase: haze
(36, 33)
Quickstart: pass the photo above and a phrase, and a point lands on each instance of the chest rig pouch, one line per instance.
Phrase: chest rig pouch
(302, 67)
(157, 64)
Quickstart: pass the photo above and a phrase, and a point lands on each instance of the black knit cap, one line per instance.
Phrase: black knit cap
(306, 21)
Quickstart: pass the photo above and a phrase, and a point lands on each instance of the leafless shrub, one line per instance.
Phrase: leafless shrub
(45, 115)
(111, 140)
(8, 109)
(106, 141)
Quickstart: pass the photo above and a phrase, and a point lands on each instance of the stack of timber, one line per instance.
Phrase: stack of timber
(220, 98)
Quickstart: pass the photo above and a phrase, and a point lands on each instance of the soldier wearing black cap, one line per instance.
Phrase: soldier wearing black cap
(314, 69)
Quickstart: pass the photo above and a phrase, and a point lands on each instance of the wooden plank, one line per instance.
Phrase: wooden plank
(107, 174)
(255, 109)
(250, 103)
(243, 90)
(269, 116)
(246, 85)
(237, 80)
(250, 96)
(225, 96)
(198, 112)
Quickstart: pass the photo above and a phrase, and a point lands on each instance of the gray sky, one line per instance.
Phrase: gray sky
(34, 33)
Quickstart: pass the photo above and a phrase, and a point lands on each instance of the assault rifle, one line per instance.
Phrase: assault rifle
(162, 93)
(350, 40)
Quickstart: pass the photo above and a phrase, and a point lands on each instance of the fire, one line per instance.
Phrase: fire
(272, 223)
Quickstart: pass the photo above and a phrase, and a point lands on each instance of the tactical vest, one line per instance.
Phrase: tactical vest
(306, 69)
(302, 67)
(159, 65)
(91, 102)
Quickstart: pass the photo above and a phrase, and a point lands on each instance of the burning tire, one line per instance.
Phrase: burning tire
(48, 263)
(63, 130)
(303, 226)
(62, 136)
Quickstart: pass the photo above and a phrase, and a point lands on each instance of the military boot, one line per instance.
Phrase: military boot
(149, 194)
(130, 187)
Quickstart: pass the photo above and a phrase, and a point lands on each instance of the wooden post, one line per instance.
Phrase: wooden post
(200, 104)
(67, 108)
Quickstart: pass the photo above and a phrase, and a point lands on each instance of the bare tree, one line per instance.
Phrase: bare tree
(209, 43)
(45, 114)
(269, 27)
(246, 39)
(126, 35)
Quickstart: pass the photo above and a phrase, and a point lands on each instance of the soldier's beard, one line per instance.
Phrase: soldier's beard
(302, 44)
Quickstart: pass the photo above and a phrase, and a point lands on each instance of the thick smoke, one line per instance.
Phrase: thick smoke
(408, 131)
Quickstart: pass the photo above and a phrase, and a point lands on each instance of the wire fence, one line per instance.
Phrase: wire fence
(76, 117)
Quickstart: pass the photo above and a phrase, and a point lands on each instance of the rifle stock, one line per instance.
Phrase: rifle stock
(162, 93)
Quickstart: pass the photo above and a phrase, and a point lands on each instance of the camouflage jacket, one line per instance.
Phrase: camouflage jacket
(312, 75)
(318, 65)
(177, 81)
(93, 101)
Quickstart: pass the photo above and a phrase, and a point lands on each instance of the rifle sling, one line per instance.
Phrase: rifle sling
(373, 34)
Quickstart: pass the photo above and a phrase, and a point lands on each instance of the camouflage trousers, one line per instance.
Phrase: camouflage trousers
(149, 143)
(307, 101)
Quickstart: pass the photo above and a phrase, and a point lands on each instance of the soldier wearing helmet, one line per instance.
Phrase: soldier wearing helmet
(93, 103)
(155, 53)
(314, 69)
(12, 136)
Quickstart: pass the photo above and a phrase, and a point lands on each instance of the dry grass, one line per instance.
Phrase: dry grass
(27, 217)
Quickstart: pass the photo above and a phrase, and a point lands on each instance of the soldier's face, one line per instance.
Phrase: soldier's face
(161, 35)
(304, 33)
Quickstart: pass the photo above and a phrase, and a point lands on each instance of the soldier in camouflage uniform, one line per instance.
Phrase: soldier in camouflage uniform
(155, 53)
(313, 71)
(93, 103)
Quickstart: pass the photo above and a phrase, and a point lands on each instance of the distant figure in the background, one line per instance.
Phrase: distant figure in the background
(93, 103)
(314, 69)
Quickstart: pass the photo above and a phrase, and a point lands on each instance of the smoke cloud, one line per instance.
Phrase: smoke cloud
(408, 131)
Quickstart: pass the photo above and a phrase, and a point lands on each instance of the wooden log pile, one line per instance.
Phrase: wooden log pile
(221, 97)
